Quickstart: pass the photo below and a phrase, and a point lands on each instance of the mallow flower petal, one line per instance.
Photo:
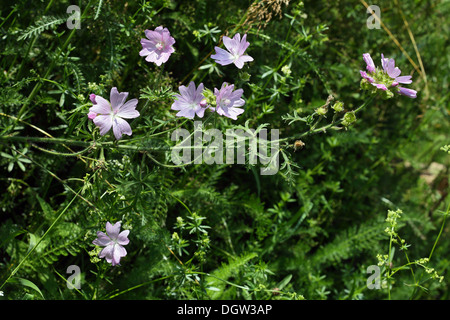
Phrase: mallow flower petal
(404, 79)
(239, 62)
(117, 98)
(187, 113)
(118, 253)
(121, 127)
(102, 106)
(122, 238)
(102, 239)
(104, 122)
(128, 110)
(113, 230)
(368, 59)
(106, 252)
(407, 92)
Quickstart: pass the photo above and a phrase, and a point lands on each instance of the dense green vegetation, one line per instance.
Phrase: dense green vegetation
(369, 193)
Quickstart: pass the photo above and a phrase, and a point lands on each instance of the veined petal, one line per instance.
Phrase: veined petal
(384, 62)
(113, 230)
(407, 92)
(222, 54)
(102, 239)
(379, 86)
(365, 76)
(118, 252)
(102, 106)
(368, 59)
(404, 79)
(200, 112)
(239, 62)
(117, 98)
(229, 43)
(104, 122)
(395, 73)
(106, 252)
(122, 238)
(243, 45)
(234, 112)
(128, 110)
(187, 113)
(120, 127)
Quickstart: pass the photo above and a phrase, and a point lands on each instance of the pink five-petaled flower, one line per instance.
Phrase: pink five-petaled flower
(229, 101)
(235, 54)
(113, 243)
(386, 79)
(158, 47)
(394, 72)
(190, 102)
(106, 115)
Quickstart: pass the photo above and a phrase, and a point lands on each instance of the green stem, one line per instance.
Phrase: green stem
(94, 144)
(434, 247)
(324, 128)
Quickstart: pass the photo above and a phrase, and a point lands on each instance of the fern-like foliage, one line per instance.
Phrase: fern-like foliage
(216, 282)
(350, 242)
(45, 23)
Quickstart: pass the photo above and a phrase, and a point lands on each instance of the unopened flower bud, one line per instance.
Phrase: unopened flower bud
(245, 76)
(321, 111)
(338, 106)
(91, 115)
(349, 118)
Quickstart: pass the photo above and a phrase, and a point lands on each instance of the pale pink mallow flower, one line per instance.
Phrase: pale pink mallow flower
(235, 54)
(190, 102)
(229, 101)
(394, 72)
(386, 79)
(158, 46)
(113, 243)
(106, 115)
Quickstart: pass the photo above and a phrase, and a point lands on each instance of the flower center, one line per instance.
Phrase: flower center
(159, 45)
(226, 102)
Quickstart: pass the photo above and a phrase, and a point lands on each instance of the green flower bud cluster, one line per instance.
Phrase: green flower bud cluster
(210, 97)
(286, 70)
(381, 78)
(391, 219)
